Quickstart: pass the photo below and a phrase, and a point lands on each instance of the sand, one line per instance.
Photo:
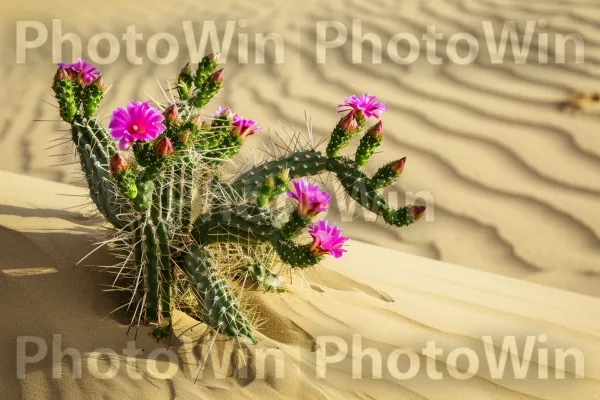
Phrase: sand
(400, 306)
(511, 182)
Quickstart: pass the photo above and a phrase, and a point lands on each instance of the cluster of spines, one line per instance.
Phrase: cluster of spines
(222, 310)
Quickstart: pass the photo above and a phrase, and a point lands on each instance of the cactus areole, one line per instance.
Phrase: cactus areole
(156, 175)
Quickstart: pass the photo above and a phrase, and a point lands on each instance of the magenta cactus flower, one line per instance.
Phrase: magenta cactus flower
(139, 122)
(311, 199)
(243, 127)
(88, 72)
(364, 105)
(327, 239)
(223, 112)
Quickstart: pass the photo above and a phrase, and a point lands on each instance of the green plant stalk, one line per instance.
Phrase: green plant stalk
(222, 310)
(94, 149)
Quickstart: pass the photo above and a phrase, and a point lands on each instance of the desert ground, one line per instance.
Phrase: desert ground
(511, 181)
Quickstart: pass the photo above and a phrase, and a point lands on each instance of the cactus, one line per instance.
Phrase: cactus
(156, 175)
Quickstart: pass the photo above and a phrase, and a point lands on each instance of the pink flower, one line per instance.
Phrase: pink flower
(140, 121)
(222, 112)
(327, 239)
(88, 72)
(244, 127)
(311, 199)
(365, 105)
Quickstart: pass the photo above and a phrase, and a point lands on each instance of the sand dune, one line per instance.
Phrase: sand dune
(45, 232)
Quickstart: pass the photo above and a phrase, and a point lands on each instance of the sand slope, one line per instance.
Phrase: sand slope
(400, 302)
(514, 182)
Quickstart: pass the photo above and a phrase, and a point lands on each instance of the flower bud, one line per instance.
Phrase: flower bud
(348, 123)
(217, 76)
(61, 73)
(171, 114)
(284, 174)
(416, 212)
(398, 166)
(184, 136)
(186, 72)
(376, 130)
(164, 147)
(118, 163)
(214, 57)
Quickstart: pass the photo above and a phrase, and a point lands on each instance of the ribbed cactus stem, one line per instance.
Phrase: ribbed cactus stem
(295, 225)
(185, 82)
(92, 95)
(64, 90)
(266, 191)
(150, 261)
(206, 67)
(388, 174)
(166, 273)
(296, 256)
(222, 310)
(230, 226)
(303, 163)
(347, 128)
(93, 148)
(208, 90)
(368, 143)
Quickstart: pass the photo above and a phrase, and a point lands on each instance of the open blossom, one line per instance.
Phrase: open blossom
(365, 105)
(244, 127)
(222, 112)
(140, 121)
(327, 239)
(88, 72)
(311, 199)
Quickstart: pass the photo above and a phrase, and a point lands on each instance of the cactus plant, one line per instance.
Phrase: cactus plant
(156, 175)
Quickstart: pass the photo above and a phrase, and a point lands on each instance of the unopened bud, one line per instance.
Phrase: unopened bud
(398, 166)
(184, 136)
(214, 57)
(416, 212)
(284, 174)
(164, 147)
(171, 113)
(217, 76)
(97, 82)
(197, 120)
(376, 130)
(348, 123)
(118, 163)
(61, 73)
(186, 71)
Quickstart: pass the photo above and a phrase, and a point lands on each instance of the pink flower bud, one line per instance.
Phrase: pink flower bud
(398, 166)
(376, 130)
(217, 76)
(348, 123)
(171, 113)
(118, 163)
(214, 57)
(164, 147)
(61, 74)
(184, 136)
(416, 212)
